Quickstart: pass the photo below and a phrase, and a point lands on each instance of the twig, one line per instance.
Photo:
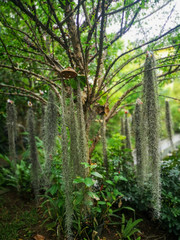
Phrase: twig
(177, 99)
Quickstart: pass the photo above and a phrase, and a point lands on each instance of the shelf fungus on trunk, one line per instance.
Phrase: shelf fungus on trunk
(68, 73)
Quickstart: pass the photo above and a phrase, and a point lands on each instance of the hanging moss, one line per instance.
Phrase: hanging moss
(74, 136)
(122, 131)
(42, 130)
(104, 143)
(122, 126)
(169, 124)
(66, 168)
(83, 146)
(35, 167)
(127, 132)
(50, 133)
(151, 110)
(11, 126)
(141, 156)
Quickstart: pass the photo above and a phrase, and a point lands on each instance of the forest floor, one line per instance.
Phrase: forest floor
(21, 219)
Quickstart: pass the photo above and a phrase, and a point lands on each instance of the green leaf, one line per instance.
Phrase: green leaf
(93, 195)
(86, 164)
(128, 208)
(116, 178)
(117, 193)
(110, 182)
(78, 180)
(53, 189)
(96, 174)
(88, 182)
(101, 203)
(119, 178)
(123, 178)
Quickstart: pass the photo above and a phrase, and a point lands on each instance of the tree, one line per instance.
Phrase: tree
(41, 38)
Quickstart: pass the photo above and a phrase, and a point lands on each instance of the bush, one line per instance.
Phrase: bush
(170, 196)
(170, 213)
(18, 178)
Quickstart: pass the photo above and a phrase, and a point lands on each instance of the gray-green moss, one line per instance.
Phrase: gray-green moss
(83, 146)
(151, 112)
(50, 133)
(11, 121)
(127, 133)
(169, 124)
(35, 167)
(122, 131)
(104, 144)
(74, 136)
(141, 153)
(66, 167)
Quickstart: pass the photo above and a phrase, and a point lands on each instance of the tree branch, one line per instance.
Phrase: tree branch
(177, 99)
(101, 39)
(32, 94)
(40, 77)
(19, 4)
(122, 9)
(142, 45)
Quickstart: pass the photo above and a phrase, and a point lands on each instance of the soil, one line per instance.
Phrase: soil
(14, 204)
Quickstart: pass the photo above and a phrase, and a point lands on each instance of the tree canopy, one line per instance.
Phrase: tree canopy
(41, 38)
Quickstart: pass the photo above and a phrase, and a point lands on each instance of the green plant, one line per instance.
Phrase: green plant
(20, 179)
(170, 213)
(128, 229)
(104, 202)
(53, 204)
(141, 200)
(16, 221)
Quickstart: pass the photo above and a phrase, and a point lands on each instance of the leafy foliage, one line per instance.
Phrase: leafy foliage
(19, 179)
(170, 192)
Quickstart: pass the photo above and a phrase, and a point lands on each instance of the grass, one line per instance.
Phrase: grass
(15, 222)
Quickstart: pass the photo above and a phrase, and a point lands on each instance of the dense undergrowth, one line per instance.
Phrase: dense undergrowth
(100, 201)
